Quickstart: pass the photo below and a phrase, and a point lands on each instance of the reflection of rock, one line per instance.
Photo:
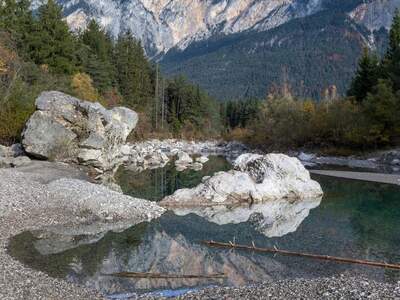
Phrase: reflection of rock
(273, 218)
(255, 179)
(57, 239)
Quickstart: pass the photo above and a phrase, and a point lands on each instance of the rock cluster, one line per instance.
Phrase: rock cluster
(13, 156)
(66, 128)
(255, 179)
(157, 153)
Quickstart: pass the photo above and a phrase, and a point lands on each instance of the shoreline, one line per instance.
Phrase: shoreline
(23, 206)
(362, 176)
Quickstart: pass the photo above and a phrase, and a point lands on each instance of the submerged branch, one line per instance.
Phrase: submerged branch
(163, 276)
(292, 253)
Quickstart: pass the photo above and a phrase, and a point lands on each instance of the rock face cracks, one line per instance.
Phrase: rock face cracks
(66, 128)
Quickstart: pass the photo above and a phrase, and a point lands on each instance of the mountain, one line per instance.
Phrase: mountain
(313, 56)
(164, 24)
(244, 48)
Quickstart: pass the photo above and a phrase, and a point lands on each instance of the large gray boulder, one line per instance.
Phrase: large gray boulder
(66, 128)
(255, 179)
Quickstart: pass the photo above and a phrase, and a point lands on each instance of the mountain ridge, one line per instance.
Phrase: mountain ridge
(177, 33)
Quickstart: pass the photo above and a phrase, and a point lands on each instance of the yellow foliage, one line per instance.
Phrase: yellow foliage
(83, 87)
(3, 67)
(309, 106)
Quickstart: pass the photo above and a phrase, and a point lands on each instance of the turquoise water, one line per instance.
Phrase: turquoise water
(354, 219)
(157, 183)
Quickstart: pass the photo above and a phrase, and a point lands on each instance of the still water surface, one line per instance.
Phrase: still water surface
(354, 219)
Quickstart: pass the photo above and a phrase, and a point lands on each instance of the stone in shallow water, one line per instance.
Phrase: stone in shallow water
(202, 159)
(183, 159)
(255, 179)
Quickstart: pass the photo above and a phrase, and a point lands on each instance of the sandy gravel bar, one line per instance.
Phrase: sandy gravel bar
(364, 176)
(23, 206)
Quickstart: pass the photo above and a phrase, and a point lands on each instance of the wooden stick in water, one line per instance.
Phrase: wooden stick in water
(163, 276)
(292, 253)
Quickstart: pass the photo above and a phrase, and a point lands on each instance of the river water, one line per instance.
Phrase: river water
(354, 220)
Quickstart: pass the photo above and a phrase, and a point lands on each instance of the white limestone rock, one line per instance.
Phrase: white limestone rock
(255, 179)
(66, 128)
(183, 159)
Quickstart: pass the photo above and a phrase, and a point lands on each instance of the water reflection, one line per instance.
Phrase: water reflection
(273, 219)
(155, 184)
(355, 220)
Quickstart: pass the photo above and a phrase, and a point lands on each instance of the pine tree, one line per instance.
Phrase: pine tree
(17, 19)
(51, 42)
(366, 76)
(391, 61)
(394, 36)
(135, 79)
(381, 108)
(96, 57)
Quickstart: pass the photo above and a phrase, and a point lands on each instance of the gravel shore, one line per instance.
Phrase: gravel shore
(23, 206)
(341, 287)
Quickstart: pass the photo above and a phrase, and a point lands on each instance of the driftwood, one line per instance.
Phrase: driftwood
(164, 276)
(231, 245)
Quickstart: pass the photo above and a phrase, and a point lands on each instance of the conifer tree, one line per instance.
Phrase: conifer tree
(366, 76)
(17, 19)
(51, 42)
(97, 57)
(394, 36)
(134, 74)
(381, 108)
(391, 61)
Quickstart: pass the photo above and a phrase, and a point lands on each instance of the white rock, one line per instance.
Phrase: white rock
(255, 179)
(183, 159)
(126, 150)
(306, 157)
(66, 128)
(196, 166)
(202, 159)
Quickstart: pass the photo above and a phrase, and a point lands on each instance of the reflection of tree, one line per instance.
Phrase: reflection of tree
(155, 184)
(90, 256)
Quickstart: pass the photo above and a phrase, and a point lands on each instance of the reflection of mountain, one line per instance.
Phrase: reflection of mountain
(273, 219)
(355, 219)
(171, 245)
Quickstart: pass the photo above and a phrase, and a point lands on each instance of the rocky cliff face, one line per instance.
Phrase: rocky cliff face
(375, 14)
(163, 24)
